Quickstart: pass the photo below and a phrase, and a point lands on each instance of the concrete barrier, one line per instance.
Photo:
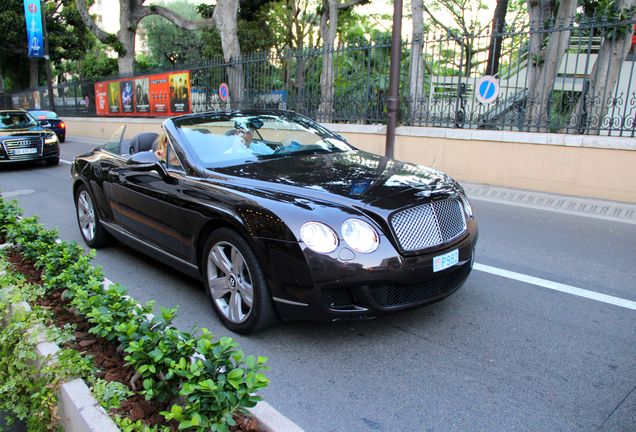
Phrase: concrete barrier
(580, 165)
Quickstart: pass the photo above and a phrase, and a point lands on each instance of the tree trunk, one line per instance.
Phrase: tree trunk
(225, 17)
(537, 111)
(593, 105)
(328, 28)
(540, 13)
(126, 60)
(34, 73)
(126, 36)
(416, 67)
(498, 24)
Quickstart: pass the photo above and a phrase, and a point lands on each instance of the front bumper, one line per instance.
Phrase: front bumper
(341, 287)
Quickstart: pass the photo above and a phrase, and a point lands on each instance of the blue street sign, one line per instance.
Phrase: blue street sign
(224, 92)
(35, 39)
(487, 89)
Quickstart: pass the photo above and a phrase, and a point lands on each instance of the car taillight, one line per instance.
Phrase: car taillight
(62, 125)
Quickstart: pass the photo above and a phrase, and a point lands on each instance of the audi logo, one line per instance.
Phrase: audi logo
(22, 143)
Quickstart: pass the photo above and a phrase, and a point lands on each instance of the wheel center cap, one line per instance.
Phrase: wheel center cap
(232, 282)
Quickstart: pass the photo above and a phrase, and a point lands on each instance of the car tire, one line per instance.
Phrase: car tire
(232, 274)
(93, 233)
(52, 161)
(62, 138)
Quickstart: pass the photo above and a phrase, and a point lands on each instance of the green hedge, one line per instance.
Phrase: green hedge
(204, 380)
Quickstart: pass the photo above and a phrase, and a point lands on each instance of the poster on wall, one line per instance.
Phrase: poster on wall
(114, 96)
(180, 93)
(101, 98)
(142, 97)
(126, 96)
(159, 94)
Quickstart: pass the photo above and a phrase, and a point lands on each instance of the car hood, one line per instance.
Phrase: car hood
(354, 178)
(33, 131)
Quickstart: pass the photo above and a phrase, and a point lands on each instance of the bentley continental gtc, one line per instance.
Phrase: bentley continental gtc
(279, 217)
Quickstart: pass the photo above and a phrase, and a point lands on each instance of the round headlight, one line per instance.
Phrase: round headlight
(319, 237)
(361, 236)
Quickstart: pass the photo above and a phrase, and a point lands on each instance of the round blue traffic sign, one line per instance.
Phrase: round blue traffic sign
(487, 89)
(224, 92)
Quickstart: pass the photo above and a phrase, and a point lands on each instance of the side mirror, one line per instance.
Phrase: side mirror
(44, 123)
(148, 161)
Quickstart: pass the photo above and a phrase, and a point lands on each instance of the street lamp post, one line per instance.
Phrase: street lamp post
(47, 59)
(393, 100)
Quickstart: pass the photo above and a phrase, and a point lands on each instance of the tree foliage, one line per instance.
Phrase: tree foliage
(68, 39)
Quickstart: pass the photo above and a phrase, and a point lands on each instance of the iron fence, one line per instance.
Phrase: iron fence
(438, 82)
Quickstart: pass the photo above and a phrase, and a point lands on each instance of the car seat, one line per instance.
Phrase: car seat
(142, 142)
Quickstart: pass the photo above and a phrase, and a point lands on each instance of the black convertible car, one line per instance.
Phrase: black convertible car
(279, 216)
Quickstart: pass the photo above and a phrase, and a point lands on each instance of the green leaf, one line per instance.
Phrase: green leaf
(250, 361)
(235, 378)
(185, 425)
(196, 419)
(207, 385)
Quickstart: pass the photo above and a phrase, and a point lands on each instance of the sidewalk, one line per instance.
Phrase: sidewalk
(588, 207)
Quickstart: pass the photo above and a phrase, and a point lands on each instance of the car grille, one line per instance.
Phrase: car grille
(390, 295)
(429, 225)
(14, 147)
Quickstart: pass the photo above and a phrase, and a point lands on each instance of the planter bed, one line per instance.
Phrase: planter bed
(159, 378)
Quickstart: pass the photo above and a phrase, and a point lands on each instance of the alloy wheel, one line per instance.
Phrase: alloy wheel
(86, 215)
(230, 282)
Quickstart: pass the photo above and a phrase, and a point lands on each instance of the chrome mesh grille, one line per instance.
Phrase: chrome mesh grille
(13, 147)
(429, 225)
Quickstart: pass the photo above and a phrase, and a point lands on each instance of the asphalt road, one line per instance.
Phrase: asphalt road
(499, 354)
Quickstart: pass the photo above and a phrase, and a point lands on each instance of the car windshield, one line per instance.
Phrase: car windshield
(16, 120)
(41, 115)
(244, 138)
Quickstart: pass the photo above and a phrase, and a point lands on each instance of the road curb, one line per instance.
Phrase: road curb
(270, 420)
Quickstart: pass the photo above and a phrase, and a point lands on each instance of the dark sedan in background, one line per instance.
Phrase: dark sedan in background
(279, 217)
(23, 139)
(50, 120)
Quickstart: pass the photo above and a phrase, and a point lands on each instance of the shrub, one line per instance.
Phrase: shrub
(205, 380)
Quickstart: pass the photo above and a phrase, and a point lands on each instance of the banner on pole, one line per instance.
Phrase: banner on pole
(35, 38)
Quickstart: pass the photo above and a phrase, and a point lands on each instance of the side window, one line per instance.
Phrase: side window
(172, 161)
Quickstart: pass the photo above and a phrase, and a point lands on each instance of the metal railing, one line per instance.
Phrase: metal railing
(438, 91)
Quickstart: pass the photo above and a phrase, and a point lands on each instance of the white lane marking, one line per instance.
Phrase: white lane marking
(17, 192)
(64, 161)
(553, 210)
(568, 289)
